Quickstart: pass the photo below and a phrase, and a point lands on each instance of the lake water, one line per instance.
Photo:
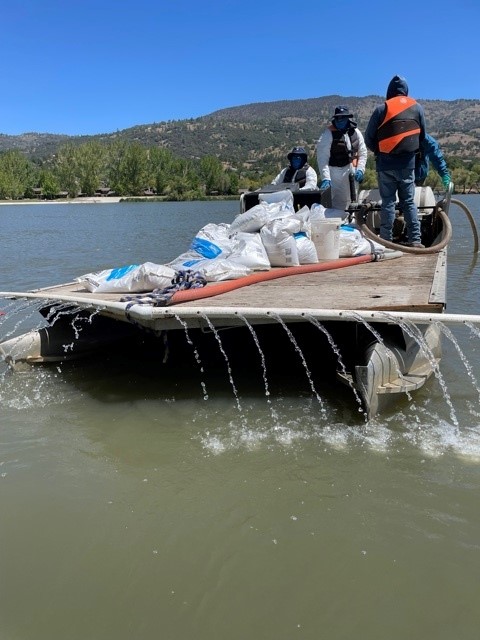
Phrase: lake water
(130, 511)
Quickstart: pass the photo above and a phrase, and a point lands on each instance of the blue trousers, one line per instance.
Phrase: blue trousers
(403, 181)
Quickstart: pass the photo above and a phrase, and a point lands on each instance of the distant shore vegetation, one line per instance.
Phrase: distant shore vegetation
(127, 169)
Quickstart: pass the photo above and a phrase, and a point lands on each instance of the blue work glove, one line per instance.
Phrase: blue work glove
(358, 175)
(446, 181)
(325, 184)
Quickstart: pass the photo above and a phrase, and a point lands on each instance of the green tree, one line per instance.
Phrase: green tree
(233, 183)
(212, 174)
(48, 183)
(460, 178)
(128, 168)
(159, 168)
(17, 175)
(184, 182)
(66, 169)
(90, 166)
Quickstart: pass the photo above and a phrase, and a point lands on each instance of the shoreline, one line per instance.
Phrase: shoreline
(106, 200)
(117, 199)
(87, 200)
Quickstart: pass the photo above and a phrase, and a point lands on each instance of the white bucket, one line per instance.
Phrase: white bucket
(326, 238)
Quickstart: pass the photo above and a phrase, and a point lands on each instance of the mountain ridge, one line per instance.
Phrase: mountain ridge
(261, 133)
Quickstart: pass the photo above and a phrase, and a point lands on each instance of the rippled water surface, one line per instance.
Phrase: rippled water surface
(137, 507)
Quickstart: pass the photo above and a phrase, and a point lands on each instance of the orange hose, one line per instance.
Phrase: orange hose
(188, 295)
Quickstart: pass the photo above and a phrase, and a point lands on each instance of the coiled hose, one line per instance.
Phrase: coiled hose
(444, 239)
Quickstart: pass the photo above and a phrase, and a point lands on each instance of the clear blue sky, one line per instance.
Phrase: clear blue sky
(99, 66)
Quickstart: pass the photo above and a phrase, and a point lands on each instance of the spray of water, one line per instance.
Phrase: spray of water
(341, 364)
(264, 371)
(414, 332)
(446, 331)
(304, 362)
(229, 369)
(195, 353)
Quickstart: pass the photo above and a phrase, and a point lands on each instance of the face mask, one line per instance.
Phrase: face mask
(296, 162)
(341, 123)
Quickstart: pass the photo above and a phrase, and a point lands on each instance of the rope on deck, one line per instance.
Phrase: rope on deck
(183, 280)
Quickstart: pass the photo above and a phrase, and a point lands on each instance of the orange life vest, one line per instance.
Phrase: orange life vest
(399, 131)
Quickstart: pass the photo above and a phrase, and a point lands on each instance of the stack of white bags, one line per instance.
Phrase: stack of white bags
(270, 234)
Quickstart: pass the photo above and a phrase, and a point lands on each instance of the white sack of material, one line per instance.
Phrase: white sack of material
(254, 219)
(130, 278)
(186, 260)
(219, 269)
(307, 253)
(287, 225)
(353, 243)
(248, 250)
(317, 211)
(304, 214)
(279, 242)
(299, 226)
(212, 241)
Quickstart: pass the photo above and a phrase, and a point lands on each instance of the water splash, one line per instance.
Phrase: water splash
(33, 389)
(298, 428)
(262, 427)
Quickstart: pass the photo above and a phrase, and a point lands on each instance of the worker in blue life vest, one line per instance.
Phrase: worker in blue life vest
(430, 151)
(298, 171)
(340, 150)
(395, 133)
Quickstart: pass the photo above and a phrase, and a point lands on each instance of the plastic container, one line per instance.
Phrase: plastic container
(326, 238)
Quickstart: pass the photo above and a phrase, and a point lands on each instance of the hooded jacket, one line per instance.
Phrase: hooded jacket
(396, 129)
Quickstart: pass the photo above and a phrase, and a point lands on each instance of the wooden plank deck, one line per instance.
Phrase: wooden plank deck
(403, 284)
(409, 283)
